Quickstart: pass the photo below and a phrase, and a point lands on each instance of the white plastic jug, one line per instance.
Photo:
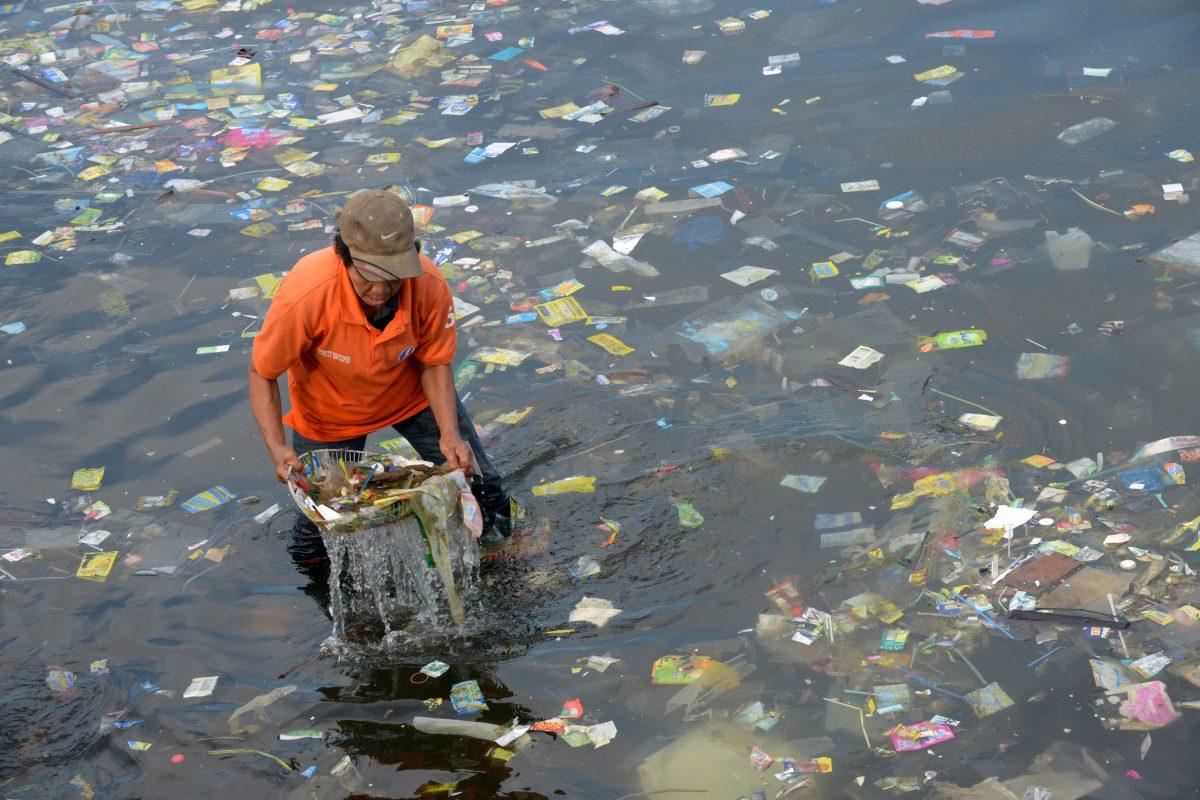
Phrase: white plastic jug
(1071, 250)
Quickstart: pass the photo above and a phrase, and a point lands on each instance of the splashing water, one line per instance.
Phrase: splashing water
(407, 576)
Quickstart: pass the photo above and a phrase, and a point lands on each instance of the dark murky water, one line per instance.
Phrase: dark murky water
(106, 372)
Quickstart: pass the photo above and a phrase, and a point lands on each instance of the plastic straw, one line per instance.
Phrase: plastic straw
(983, 615)
(1044, 656)
(933, 686)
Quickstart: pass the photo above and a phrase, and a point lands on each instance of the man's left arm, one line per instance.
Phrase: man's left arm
(438, 382)
(437, 339)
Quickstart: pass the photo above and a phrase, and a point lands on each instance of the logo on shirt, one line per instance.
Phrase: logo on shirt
(406, 352)
(333, 355)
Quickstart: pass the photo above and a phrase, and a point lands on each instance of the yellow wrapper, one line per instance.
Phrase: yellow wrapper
(611, 343)
(96, 566)
(561, 311)
(944, 71)
(87, 479)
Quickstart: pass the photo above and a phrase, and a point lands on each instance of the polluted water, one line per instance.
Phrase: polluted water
(841, 356)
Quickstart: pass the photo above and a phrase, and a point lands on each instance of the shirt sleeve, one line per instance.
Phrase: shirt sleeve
(283, 339)
(437, 331)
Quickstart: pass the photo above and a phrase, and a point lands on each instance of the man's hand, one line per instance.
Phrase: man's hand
(457, 453)
(285, 459)
(437, 381)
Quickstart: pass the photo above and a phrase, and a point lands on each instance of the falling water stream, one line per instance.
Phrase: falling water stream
(405, 577)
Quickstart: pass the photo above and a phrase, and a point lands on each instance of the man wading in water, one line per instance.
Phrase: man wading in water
(365, 330)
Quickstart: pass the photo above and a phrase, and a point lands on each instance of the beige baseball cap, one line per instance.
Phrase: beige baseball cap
(377, 226)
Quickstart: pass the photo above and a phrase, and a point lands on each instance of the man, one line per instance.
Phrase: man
(365, 330)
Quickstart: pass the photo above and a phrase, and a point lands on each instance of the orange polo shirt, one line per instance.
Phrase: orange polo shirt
(345, 377)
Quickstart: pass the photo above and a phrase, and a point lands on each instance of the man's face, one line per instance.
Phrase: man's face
(372, 293)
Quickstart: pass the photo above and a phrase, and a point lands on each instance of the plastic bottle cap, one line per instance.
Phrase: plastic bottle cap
(177, 758)
(770, 295)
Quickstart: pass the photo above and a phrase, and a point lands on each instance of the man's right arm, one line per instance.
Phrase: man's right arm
(267, 407)
(278, 347)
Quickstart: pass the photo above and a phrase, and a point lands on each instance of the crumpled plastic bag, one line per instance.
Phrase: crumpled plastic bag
(257, 707)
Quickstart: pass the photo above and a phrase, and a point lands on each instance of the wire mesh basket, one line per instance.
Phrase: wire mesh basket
(330, 490)
(391, 524)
